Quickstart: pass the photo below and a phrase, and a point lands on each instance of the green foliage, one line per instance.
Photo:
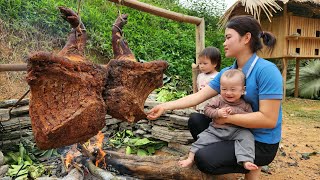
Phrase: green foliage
(135, 145)
(150, 37)
(24, 164)
(172, 90)
(309, 80)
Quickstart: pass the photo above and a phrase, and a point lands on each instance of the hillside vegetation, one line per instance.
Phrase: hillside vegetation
(34, 25)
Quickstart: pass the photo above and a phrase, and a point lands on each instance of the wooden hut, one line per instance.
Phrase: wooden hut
(295, 23)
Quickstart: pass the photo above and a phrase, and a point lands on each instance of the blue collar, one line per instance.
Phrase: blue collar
(246, 68)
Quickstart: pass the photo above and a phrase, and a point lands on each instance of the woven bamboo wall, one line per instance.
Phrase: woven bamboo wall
(308, 26)
(276, 27)
(307, 44)
(302, 37)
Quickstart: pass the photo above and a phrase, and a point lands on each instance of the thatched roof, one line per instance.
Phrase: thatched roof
(306, 8)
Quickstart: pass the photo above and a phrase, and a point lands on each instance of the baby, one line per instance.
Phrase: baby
(232, 87)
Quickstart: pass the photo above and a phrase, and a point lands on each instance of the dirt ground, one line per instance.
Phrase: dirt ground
(301, 133)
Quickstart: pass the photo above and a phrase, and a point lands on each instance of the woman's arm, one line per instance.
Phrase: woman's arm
(266, 117)
(185, 102)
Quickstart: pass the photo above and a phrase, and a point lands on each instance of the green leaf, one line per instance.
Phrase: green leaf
(129, 132)
(132, 141)
(151, 150)
(22, 150)
(159, 145)
(36, 171)
(47, 153)
(126, 140)
(12, 157)
(141, 142)
(142, 152)
(22, 177)
(128, 150)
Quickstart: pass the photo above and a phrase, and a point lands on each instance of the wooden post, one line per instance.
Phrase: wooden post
(13, 67)
(159, 11)
(284, 76)
(200, 38)
(285, 50)
(296, 81)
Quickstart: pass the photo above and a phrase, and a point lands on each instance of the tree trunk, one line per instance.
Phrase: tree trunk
(152, 167)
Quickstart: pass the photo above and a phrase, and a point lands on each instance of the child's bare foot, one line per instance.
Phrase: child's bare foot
(250, 166)
(186, 163)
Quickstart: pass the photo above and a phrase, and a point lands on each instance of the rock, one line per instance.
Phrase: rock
(20, 110)
(144, 127)
(169, 124)
(4, 115)
(179, 120)
(172, 135)
(184, 112)
(112, 121)
(143, 121)
(1, 159)
(3, 170)
(150, 103)
(179, 147)
(139, 132)
(11, 102)
(266, 169)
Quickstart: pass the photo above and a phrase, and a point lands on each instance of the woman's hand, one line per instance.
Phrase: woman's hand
(221, 120)
(155, 112)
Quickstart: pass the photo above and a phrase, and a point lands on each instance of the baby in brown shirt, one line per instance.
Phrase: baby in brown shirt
(232, 87)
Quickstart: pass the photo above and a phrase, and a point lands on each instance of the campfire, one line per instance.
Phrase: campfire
(85, 159)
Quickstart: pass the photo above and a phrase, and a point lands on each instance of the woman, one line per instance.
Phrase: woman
(263, 91)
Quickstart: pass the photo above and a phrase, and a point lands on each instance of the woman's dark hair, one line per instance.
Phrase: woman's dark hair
(244, 24)
(213, 54)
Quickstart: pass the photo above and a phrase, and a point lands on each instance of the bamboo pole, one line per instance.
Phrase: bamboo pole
(296, 81)
(200, 40)
(284, 76)
(285, 49)
(13, 67)
(159, 11)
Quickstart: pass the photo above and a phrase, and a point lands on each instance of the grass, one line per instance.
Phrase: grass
(302, 109)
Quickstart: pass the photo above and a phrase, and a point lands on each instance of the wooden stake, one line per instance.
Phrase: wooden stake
(159, 11)
(284, 76)
(296, 81)
(13, 67)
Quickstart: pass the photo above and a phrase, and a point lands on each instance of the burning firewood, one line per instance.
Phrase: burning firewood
(70, 95)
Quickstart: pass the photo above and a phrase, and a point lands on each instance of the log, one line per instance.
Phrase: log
(98, 172)
(151, 167)
(158, 167)
(74, 174)
(13, 67)
(159, 11)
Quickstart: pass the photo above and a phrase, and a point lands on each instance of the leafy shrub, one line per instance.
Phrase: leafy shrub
(309, 80)
(135, 145)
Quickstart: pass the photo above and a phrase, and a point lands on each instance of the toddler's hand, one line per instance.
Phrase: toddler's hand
(222, 112)
(229, 110)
